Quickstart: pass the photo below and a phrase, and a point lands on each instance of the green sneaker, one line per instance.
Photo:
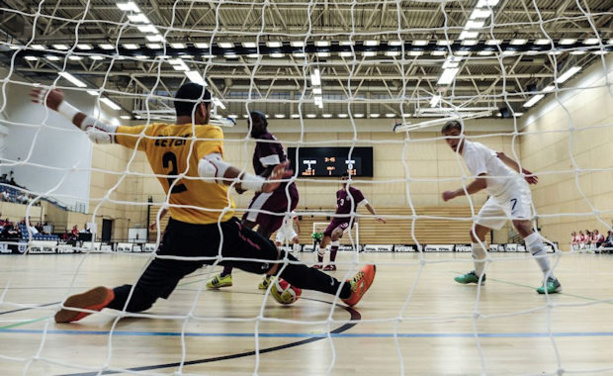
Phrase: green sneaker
(470, 277)
(219, 281)
(265, 283)
(553, 287)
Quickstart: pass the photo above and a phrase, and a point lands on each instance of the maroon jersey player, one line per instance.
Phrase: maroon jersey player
(348, 199)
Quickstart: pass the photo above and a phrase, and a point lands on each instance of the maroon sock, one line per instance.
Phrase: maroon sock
(333, 251)
(226, 271)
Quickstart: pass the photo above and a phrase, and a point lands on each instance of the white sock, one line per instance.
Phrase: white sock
(479, 255)
(534, 243)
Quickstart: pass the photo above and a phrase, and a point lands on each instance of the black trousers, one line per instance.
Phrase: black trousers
(162, 275)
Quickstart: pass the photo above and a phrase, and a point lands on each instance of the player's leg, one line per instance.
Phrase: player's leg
(295, 242)
(491, 216)
(158, 280)
(252, 246)
(337, 234)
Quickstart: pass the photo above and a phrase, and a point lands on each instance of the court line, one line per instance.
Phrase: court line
(312, 335)
(355, 317)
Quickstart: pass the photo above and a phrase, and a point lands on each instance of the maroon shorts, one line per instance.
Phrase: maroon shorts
(276, 202)
(342, 223)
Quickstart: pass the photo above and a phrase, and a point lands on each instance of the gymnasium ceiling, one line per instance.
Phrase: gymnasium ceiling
(375, 58)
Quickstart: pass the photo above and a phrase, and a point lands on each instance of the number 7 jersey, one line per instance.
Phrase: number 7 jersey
(171, 151)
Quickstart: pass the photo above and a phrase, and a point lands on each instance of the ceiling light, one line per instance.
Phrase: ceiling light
(346, 54)
(371, 42)
(311, 116)
(448, 76)
(567, 41)
(346, 43)
(590, 41)
(470, 42)
(327, 116)
(358, 115)
(485, 53)
(110, 103)
(141, 57)
(369, 53)
(125, 117)
(230, 55)
(277, 55)
(274, 44)
(462, 53)
(195, 77)
(296, 43)
(316, 78)
(480, 13)
(37, 47)
(468, 35)
(201, 45)
(415, 53)
(279, 116)
(253, 56)
(179, 46)
(568, 74)
(147, 29)
(390, 115)
(218, 103)
(444, 42)
(578, 52)
(322, 43)
(31, 58)
(72, 79)
(323, 54)
(518, 114)
(225, 44)
(406, 115)
(532, 101)
(84, 46)
(61, 46)
(317, 90)
(298, 54)
(493, 42)
(232, 116)
(394, 43)
(419, 43)
(486, 3)
(438, 53)
(392, 53)
(93, 93)
(374, 115)
(435, 100)
(131, 46)
(96, 57)
(52, 58)
(295, 116)
(342, 115)
(249, 44)
(154, 46)
(74, 58)
(155, 38)
(474, 24)
(549, 89)
(128, 6)
(138, 18)
(541, 42)
(518, 42)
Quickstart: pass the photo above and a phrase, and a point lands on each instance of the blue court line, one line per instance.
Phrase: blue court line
(316, 335)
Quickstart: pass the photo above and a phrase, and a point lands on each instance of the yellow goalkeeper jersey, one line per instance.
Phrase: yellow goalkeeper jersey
(171, 151)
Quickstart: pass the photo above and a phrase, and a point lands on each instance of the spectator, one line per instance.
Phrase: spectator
(607, 246)
(574, 241)
(582, 240)
(597, 240)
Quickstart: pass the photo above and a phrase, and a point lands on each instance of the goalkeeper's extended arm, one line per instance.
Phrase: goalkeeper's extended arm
(97, 130)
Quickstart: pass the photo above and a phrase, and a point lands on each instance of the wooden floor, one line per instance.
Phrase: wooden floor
(415, 320)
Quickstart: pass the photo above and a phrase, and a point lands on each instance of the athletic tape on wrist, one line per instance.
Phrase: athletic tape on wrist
(67, 110)
(252, 182)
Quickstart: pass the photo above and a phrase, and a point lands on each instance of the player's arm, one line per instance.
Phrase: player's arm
(529, 176)
(371, 210)
(213, 166)
(97, 130)
(475, 186)
(297, 225)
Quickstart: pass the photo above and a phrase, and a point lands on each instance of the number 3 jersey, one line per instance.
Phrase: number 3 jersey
(171, 151)
(347, 201)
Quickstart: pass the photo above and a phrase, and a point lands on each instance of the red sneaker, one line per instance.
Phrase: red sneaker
(94, 300)
(330, 268)
(360, 283)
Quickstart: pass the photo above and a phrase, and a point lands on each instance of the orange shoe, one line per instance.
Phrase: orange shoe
(95, 300)
(360, 283)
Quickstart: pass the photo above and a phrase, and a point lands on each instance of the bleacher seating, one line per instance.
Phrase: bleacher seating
(45, 237)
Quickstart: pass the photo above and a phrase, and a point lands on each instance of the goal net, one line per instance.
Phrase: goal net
(357, 87)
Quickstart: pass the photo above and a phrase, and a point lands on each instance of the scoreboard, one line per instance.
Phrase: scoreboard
(331, 161)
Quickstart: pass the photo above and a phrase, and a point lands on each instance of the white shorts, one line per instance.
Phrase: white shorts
(284, 235)
(517, 204)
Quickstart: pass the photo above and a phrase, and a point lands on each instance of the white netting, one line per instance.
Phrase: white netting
(530, 79)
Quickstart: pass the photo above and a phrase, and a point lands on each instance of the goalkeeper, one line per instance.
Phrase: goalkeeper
(187, 158)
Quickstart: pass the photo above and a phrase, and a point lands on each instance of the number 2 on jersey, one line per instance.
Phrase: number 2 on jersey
(169, 160)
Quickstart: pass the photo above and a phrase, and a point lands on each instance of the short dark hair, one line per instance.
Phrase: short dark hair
(189, 96)
(452, 124)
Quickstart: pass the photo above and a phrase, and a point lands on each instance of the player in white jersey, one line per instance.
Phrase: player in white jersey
(509, 198)
(287, 234)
